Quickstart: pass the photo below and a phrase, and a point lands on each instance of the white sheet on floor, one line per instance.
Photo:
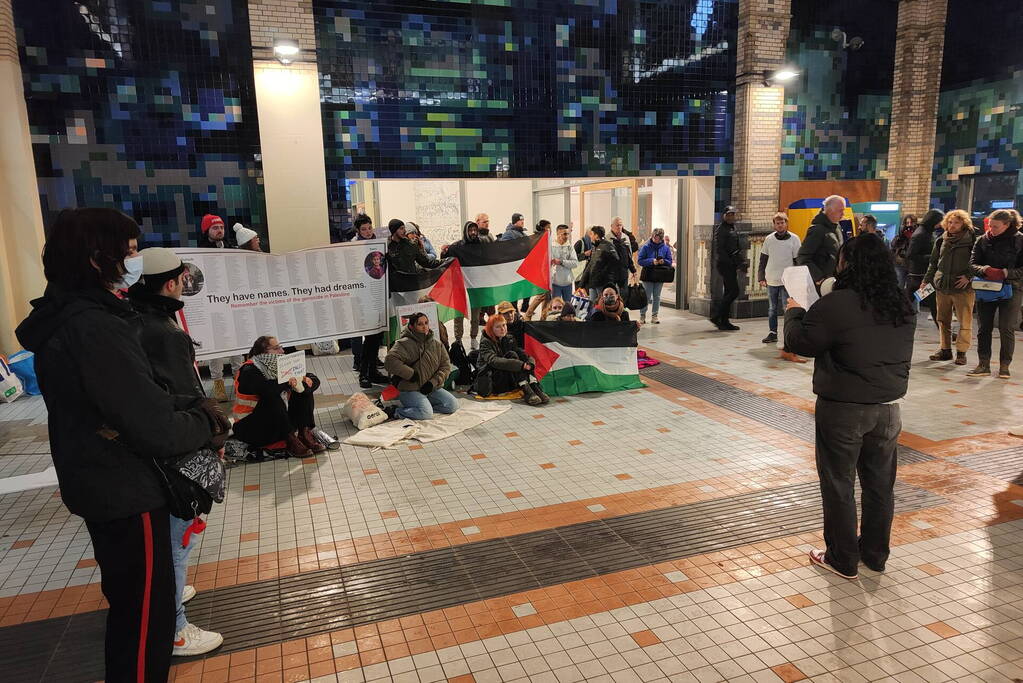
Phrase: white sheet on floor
(468, 415)
(27, 482)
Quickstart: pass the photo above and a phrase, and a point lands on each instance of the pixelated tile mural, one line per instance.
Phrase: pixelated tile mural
(524, 88)
(148, 107)
(980, 130)
(831, 133)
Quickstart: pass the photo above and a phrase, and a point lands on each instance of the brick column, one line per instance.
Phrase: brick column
(763, 32)
(21, 218)
(270, 19)
(919, 44)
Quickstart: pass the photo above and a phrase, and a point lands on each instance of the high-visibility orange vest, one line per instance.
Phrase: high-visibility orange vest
(244, 404)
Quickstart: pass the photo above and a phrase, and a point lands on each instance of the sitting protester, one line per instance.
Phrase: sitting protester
(554, 309)
(419, 364)
(503, 366)
(568, 314)
(262, 419)
(514, 320)
(610, 307)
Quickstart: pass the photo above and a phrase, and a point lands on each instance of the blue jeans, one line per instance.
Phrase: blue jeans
(653, 297)
(180, 555)
(564, 291)
(777, 297)
(418, 406)
(901, 273)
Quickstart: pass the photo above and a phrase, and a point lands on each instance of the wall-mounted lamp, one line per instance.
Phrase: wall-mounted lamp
(772, 77)
(285, 50)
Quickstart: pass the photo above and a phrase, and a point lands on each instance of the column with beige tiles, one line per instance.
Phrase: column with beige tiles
(290, 126)
(763, 31)
(919, 45)
(21, 222)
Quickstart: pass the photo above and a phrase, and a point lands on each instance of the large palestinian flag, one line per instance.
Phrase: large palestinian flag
(506, 271)
(443, 284)
(572, 358)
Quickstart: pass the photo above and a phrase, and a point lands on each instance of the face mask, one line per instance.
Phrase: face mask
(609, 301)
(132, 272)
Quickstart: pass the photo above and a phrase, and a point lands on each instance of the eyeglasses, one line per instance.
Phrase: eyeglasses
(276, 347)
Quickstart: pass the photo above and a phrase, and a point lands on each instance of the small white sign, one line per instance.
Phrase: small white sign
(429, 308)
(799, 285)
(290, 365)
(924, 292)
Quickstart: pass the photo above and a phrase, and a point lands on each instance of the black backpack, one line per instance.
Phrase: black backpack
(461, 361)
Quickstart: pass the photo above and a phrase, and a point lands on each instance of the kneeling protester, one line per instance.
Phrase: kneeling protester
(420, 365)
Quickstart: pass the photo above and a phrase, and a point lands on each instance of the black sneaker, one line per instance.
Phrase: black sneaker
(771, 338)
(377, 377)
(391, 412)
(726, 326)
(364, 383)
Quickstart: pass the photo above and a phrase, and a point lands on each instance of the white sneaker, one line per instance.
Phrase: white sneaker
(187, 593)
(474, 344)
(192, 640)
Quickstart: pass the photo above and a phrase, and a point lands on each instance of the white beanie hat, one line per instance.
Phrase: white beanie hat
(243, 234)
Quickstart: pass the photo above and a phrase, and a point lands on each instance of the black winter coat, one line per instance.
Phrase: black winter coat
(1004, 251)
(918, 255)
(170, 350)
(108, 417)
(727, 247)
(403, 256)
(858, 360)
(819, 251)
(602, 268)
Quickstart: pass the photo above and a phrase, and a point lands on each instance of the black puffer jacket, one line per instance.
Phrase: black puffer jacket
(727, 247)
(1004, 251)
(602, 267)
(918, 256)
(108, 417)
(819, 251)
(170, 350)
(858, 360)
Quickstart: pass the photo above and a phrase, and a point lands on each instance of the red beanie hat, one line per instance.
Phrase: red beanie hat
(209, 220)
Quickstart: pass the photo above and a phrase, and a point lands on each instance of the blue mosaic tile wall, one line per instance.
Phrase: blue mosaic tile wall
(837, 115)
(145, 106)
(524, 88)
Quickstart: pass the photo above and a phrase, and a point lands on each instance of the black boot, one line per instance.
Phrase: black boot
(529, 396)
(544, 398)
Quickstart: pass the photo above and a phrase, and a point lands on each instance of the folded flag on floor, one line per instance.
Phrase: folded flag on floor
(506, 271)
(444, 284)
(572, 358)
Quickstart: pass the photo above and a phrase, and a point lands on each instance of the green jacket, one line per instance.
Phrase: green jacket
(418, 359)
(950, 258)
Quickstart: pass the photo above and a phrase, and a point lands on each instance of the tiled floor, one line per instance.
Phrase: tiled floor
(950, 606)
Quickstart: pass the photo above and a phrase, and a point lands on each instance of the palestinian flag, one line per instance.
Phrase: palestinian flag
(572, 358)
(506, 271)
(443, 284)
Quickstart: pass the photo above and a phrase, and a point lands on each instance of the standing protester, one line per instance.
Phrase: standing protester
(949, 272)
(419, 239)
(402, 255)
(627, 247)
(108, 421)
(369, 346)
(819, 251)
(655, 261)
(171, 352)
(861, 335)
(420, 365)
(470, 236)
(214, 236)
(212, 233)
(262, 419)
(729, 259)
(543, 298)
(868, 224)
(918, 256)
(601, 267)
(483, 221)
(779, 252)
(998, 257)
(900, 247)
(246, 238)
(516, 230)
(563, 263)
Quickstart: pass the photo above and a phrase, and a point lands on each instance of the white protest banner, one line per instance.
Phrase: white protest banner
(429, 308)
(290, 365)
(799, 285)
(233, 296)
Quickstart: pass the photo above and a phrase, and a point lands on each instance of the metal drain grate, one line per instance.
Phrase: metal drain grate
(266, 612)
(798, 423)
(1006, 464)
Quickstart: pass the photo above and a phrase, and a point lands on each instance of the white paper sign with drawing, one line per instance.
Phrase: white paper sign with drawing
(233, 296)
(290, 366)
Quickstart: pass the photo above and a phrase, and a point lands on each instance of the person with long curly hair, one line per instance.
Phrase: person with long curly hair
(861, 337)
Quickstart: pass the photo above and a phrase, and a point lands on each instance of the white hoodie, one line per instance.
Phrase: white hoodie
(562, 274)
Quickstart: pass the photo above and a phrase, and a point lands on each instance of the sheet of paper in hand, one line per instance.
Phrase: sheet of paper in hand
(799, 285)
(290, 365)
(922, 294)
